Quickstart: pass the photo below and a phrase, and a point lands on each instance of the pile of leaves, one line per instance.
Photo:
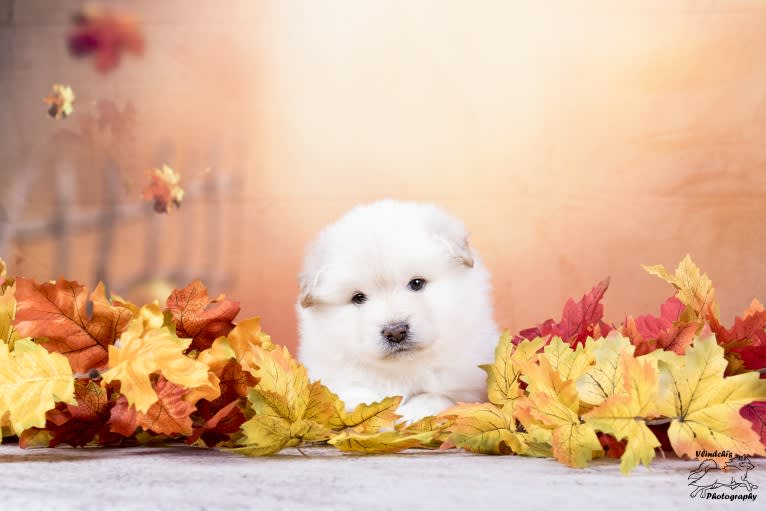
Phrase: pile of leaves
(92, 369)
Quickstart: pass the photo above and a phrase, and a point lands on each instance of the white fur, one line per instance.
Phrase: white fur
(377, 249)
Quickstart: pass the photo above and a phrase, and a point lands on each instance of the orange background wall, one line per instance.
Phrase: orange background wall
(575, 139)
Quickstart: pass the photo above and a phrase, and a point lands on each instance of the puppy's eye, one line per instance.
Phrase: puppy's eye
(416, 284)
(359, 298)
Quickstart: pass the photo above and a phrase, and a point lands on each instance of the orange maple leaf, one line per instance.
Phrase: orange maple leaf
(170, 415)
(199, 318)
(59, 312)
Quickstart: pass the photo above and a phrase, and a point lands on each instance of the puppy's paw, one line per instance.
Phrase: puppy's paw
(423, 405)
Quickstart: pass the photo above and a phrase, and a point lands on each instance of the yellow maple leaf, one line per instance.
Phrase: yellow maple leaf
(244, 338)
(147, 347)
(283, 389)
(704, 405)
(8, 333)
(483, 428)
(623, 415)
(569, 362)
(503, 383)
(327, 408)
(32, 380)
(379, 443)
(695, 289)
(553, 404)
(605, 377)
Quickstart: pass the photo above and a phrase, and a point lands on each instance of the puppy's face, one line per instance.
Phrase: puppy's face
(383, 281)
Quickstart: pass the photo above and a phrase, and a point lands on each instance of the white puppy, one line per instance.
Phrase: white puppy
(394, 302)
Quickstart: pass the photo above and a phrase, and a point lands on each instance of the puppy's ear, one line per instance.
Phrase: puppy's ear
(461, 251)
(306, 282)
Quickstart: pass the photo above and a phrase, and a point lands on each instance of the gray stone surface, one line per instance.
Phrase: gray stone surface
(179, 478)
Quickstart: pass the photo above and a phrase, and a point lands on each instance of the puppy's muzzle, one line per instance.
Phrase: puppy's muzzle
(395, 332)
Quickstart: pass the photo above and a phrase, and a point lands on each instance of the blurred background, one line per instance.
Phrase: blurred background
(575, 139)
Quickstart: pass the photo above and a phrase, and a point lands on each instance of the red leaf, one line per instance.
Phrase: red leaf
(105, 34)
(649, 333)
(80, 424)
(612, 447)
(747, 337)
(218, 428)
(756, 414)
(579, 320)
(59, 312)
(198, 317)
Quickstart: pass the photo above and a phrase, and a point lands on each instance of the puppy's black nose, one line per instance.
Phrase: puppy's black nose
(395, 332)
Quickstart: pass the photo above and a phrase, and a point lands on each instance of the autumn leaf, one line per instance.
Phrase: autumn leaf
(170, 415)
(59, 312)
(265, 435)
(503, 376)
(245, 336)
(380, 443)
(8, 333)
(106, 34)
(623, 413)
(705, 406)
(145, 348)
(579, 321)
(123, 419)
(694, 289)
(219, 426)
(31, 382)
(666, 332)
(554, 404)
(756, 413)
(164, 189)
(570, 362)
(483, 428)
(60, 101)
(283, 386)
(199, 318)
(744, 343)
(605, 378)
(81, 423)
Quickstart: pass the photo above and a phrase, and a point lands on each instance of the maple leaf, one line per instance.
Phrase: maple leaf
(105, 33)
(123, 419)
(579, 321)
(605, 378)
(147, 347)
(503, 382)
(60, 101)
(623, 414)
(219, 426)
(756, 414)
(554, 405)
(483, 428)
(245, 336)
(81, 423)
(31, 381)
(705, 406)
(59, 312)
(199, 318)
(164, 189)
(570, 362)
(744, 343)
(379, 443)
(666, 332)
(8, 333)
(694, 289)
(170, 415)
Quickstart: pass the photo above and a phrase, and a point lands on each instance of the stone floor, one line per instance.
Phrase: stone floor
(180, 478)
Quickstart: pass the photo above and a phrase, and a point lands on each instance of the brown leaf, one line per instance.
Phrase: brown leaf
(199, 318)
(59, 312)
(170, 415)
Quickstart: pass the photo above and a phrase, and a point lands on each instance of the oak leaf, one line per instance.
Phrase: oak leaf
(199, 318)
(59, 312)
